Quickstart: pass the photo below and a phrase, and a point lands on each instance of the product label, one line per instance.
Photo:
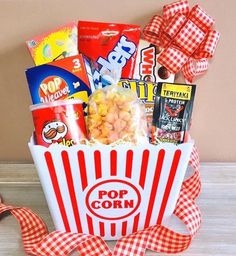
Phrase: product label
(182, 92)
(63, 79)
(62, 124)
(56, 132)
(147, 67)
(172, 112)
(119, 195)
(147, 64)
(116, 59)
(111, 49)
(53, 88)
(54, 45)
(145, 90)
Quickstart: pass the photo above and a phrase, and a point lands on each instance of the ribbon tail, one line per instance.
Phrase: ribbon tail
(32, 227)
(60, 244)
(38, 242)
(192, 185)
(194, 68)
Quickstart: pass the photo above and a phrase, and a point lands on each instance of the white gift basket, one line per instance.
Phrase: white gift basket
(110, 191)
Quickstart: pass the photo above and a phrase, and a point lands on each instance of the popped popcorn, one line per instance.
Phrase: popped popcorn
(116, 114)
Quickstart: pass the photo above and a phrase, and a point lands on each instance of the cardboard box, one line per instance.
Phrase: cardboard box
(54, 45)
(63, 79)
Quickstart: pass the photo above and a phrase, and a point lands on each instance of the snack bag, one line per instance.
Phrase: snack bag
(54, 45)
(172, 112)
(110, 47)
(115, 115)
(146, 92)
(147, 68)
(68, 78)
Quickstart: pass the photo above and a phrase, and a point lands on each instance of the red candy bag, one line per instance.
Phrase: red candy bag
(110, 47)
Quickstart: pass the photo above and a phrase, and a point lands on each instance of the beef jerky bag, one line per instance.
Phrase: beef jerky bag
(172, 112)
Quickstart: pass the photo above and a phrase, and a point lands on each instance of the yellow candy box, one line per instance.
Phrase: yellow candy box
(54, 45)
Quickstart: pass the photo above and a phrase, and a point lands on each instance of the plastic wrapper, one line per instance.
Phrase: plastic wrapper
(146, 91)
(109, 47)
(172, 112)
(115, 115)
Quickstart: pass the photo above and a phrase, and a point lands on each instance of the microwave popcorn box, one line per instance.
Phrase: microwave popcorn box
(54, 45)
(110, 191)
(68, 78)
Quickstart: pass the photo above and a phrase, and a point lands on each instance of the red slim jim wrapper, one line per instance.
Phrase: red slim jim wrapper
(59, 122)
(109, 46)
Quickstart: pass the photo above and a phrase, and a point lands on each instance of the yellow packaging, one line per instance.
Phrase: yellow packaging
(54, 45)
(146, 91)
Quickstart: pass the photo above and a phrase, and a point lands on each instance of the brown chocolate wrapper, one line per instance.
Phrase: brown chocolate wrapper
(147, 67)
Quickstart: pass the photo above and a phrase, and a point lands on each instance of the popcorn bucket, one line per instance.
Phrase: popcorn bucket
(110, 191)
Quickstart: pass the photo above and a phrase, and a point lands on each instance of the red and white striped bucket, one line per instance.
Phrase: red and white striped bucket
(110, 191)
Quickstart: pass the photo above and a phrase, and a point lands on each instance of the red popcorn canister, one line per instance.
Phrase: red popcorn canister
(60, 122)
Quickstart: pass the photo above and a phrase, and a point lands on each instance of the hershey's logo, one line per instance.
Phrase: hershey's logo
(147, 63)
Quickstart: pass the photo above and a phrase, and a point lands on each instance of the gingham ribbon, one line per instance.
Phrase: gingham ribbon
(186, 36)
(37, 241)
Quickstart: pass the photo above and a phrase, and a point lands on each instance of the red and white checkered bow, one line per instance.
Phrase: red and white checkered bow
(186, 36)
(157, 238)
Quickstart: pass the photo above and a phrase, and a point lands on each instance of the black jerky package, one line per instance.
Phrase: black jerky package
(172, 112)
